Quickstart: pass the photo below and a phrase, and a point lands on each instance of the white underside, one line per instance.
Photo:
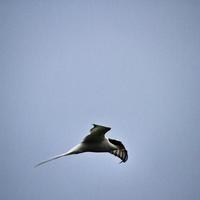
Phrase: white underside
(103, 146)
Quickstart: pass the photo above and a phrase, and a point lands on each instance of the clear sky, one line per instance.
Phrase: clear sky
(130, 65)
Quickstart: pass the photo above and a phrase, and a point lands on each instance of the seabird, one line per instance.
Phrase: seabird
(96, 142)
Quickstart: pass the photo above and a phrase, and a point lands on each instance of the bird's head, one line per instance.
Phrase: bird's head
(104, 128)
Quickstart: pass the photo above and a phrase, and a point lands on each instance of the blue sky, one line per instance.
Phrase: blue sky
(130, 65)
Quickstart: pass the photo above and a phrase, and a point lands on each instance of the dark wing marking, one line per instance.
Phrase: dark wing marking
(117, 143)
(121, 153)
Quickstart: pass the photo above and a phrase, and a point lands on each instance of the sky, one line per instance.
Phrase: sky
(130, 65)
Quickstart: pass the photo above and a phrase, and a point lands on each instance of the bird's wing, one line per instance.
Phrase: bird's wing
(97, 133)
(121, 152)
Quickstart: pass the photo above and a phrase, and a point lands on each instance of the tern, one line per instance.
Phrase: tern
(96, 142)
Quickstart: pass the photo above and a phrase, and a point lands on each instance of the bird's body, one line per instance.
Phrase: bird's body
(102, 146)
(96, 142)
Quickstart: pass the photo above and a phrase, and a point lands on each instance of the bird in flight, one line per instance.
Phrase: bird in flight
(96, 142)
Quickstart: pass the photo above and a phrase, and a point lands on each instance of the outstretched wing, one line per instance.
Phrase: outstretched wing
(121, 152)
(97, 133)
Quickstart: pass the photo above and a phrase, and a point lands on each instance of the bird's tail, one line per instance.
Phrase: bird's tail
(73, 150)
(53, 158)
